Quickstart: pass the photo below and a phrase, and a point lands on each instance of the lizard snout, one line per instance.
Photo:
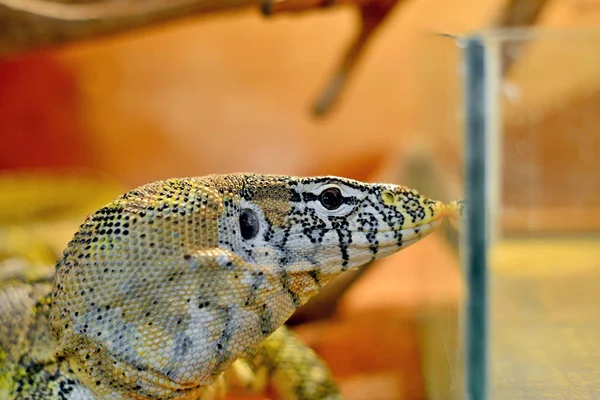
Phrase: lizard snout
(412, 208)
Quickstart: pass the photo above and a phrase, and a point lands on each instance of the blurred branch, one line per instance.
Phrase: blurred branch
(33, 24)
(372, 15)
(517, 13)
(520, 12)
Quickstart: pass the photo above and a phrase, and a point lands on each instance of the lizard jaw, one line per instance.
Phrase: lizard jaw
(394, 241)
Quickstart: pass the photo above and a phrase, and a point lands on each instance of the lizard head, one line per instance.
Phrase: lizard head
(162, 289)
(322, 226)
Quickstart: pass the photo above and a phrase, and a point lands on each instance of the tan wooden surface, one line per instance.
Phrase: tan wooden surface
(545, 320)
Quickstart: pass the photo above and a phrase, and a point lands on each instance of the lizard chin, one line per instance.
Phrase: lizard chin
(410, 236)
(360, 252)
(390, 242)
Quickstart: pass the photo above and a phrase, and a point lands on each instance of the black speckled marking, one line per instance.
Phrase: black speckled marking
(285, 283)
(314, 274)
(257, 280)
(223, 353)
(266, 321)
(182, 344)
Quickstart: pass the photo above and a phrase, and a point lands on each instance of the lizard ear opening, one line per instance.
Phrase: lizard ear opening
(249, 224)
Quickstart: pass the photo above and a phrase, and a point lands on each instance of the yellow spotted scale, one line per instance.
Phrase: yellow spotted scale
(179, 289)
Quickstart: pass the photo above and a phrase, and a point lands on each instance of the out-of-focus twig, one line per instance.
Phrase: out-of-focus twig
(517, 13)
(520, 12)
(371, 16)
(33, 24)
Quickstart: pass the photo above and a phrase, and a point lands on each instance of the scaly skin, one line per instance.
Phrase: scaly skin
(179, 289)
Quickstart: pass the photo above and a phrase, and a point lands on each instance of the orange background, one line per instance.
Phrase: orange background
(232, 93)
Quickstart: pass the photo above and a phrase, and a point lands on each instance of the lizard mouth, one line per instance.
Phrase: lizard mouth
(389, 237)
(373, 245)
(406, 236)
(413, 235)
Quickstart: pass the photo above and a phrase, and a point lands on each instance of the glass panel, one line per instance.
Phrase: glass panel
(523, 104)
(542, 156)
(439, 169)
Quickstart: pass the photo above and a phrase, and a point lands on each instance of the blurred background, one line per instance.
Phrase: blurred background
(84, 120)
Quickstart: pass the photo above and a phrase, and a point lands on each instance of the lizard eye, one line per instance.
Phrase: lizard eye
(249, 224)
(331, 198)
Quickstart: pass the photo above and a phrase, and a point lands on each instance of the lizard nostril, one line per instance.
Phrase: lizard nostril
(388, 198)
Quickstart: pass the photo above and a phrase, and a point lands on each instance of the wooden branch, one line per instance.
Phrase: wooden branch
(517, 13)
(31, 24)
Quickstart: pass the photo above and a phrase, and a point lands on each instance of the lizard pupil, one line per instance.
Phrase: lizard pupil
(249, 224)
(331, 198)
